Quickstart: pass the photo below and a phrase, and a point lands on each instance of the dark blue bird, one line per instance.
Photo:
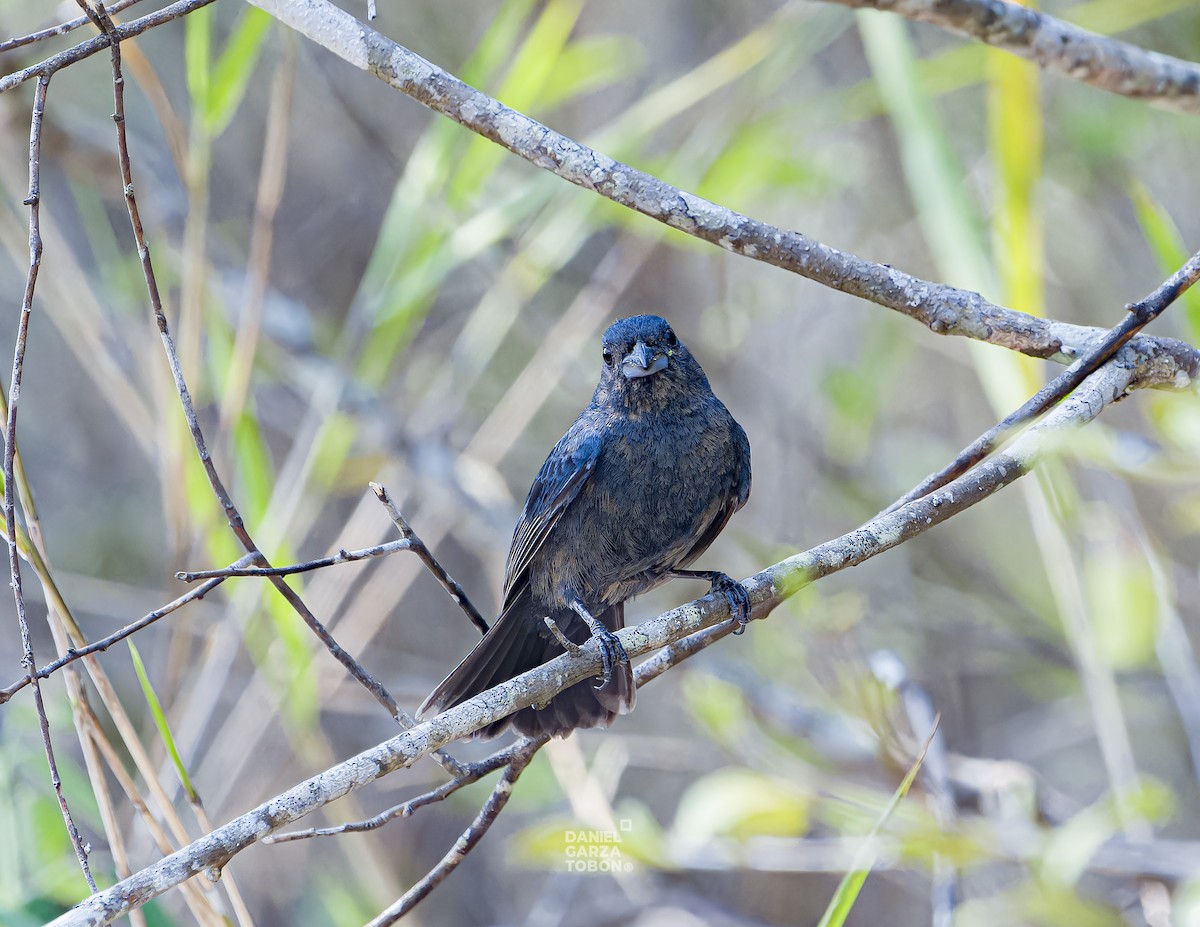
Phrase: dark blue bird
(636, 490)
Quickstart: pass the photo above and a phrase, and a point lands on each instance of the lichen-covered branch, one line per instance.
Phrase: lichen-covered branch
(1057, 46)
(945, 310)
(767, 590)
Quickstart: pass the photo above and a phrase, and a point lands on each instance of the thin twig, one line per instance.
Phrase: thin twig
(563, 641)
(472, 772)
(232, 514)
(409, 542)
(86, 49)
(62, 28)
(453, 589)
(1139, 315)
(467, 840)
(33, 201)
(104, 643)
(342, 556)
(236, 524)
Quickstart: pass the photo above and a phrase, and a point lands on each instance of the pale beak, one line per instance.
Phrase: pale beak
(642, 362)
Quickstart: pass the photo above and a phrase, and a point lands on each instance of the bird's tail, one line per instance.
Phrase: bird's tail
(519, 641)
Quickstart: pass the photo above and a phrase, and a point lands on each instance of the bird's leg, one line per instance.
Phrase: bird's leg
(611, 651)
(735, 593)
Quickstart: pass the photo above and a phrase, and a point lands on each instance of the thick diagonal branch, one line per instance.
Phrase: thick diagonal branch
(767, 590)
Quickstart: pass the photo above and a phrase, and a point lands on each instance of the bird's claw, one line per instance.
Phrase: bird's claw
(737, 596)
(612, 653)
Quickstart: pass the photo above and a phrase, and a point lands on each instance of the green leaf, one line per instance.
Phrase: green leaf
(949, 218)
(231, 73)
(288, 660)
(936, 179)
(197, 49)
(588, 64)
(256, 475)
(1109, 17)
(1072, 845)
(521, 89)
(160, 721)
(716, 705)
(1123, 606)
(739, 803)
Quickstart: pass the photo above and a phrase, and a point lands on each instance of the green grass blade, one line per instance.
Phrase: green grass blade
(1166, 241)
(160, 721)
(197, 49)
(935, 176)
(852, 882)
(231, 73)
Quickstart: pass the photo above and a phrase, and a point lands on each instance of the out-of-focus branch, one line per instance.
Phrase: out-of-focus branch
(1057, 46)
(766, 589)
(943, 309)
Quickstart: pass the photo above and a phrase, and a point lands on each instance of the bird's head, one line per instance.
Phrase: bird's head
(646, 366)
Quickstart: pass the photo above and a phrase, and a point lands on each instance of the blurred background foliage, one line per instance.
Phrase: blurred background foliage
(362, 290)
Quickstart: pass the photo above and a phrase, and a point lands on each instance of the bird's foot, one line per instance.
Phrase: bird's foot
(735, 593)
(737, 597)
(612, 653)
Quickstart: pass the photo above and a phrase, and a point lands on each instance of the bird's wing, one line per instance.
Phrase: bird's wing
(557, 485)
(739, 492)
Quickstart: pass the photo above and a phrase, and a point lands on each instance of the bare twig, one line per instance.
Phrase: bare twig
(1060, 47)
(409, 541)
(33, 201)
(236, 524)
(99, 43)
(467, 840)
(232, 514)
(472, 772)
(766, 589)
(563, 641)
(945, 310)
(1139, 315)
(453, 589)
(62, 28)
(342, 556)
(104, 643)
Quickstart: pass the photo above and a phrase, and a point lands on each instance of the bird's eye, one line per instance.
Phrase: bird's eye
(608, 357)
(671, 339)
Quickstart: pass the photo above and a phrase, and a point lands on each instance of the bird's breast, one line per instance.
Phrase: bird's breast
(657, 487)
